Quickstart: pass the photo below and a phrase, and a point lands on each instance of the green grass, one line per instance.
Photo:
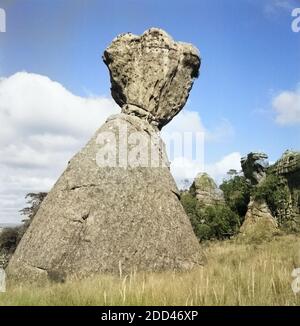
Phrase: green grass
(235, 274)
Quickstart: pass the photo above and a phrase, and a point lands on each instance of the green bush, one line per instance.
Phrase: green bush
(237, 194)
(274, 191)
(10, 237)
(211, 222)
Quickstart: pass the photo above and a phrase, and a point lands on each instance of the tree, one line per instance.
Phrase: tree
(232, 172)
(274, 191)
(10, 237)
(34, 200)
(237, 194)
(211, 222)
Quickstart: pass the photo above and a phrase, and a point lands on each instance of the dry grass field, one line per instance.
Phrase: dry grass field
(235, 274)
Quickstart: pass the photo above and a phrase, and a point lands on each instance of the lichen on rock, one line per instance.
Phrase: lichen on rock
(110, 218)
(151, 75)
(206, 190)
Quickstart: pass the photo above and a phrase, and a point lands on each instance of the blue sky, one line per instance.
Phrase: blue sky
(250, 69)
(249, 54)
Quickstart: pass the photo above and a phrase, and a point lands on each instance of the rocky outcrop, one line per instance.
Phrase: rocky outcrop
(116, 207)
(288, 169)
(259, 222)
(288, 165)
(206, 190)
(151, 74)
(254, 166)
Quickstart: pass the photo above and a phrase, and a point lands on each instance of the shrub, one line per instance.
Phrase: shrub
(10, 237)
(211, 222)
(237, 194)
(274, 191)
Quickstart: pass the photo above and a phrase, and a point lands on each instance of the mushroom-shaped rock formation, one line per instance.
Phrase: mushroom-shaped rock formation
(151, 74)
(116, 207)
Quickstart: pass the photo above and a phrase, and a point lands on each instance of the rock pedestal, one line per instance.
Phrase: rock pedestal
(116, 207)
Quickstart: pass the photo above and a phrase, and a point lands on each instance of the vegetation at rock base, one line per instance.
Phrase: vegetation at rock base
(10, 237)
(235, 274)
(219, 221)
(211, 222)
(237, 194)
(274, 191)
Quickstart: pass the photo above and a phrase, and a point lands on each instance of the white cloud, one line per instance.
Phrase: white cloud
(185, 121)
(222, 132)
(42, 125)
(184, 170)
(287, 107)
(275, 7)
(190, 121)
(219, 169)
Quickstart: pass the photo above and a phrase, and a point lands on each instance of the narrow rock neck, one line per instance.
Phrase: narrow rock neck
(138, 111)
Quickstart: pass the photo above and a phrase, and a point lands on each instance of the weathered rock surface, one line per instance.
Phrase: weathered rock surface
(259, 222)
(114, 212)
(254, 166)
(206, 190)
(288, 164)
(151, 75)
(288, 168)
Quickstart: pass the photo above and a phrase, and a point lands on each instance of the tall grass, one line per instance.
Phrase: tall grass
(235, 274)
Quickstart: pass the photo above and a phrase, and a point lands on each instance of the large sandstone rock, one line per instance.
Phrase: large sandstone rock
(151, 75)
(112, 210)
(206, 190)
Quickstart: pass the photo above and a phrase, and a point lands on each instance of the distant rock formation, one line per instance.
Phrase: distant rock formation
(289, 165)
(116, 207)
(206, 190)
(259, 218)
(288, 168)
(254, 167)
(259, 221)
